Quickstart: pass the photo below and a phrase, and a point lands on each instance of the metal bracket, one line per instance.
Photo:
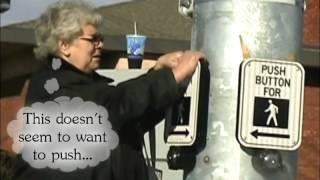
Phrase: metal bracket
(185, 8)
(4, 5)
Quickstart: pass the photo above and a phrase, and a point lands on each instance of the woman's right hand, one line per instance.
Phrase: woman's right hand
(169, 60)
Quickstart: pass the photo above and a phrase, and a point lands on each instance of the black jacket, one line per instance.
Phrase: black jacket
(134, 106)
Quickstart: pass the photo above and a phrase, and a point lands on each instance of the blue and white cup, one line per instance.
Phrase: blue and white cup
(135, 50)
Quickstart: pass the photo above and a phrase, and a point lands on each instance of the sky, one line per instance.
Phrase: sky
(25, 10)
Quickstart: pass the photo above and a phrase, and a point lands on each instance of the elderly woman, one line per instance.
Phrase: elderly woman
(68, 31)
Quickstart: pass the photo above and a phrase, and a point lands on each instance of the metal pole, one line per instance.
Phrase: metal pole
(228, 31)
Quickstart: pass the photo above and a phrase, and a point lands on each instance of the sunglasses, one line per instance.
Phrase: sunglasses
(95, 39)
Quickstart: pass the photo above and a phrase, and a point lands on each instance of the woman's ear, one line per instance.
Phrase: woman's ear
(64, 48)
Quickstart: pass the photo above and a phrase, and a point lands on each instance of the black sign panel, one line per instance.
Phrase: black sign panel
(270, 112)
(180, 112)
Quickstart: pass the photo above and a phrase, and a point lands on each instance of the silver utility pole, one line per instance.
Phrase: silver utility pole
(228, 31)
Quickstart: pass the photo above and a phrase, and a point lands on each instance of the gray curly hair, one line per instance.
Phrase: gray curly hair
(63, 20)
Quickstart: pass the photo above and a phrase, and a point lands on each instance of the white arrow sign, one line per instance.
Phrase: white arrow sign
(183, 127)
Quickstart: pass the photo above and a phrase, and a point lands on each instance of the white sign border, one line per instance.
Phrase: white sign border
(241, 101)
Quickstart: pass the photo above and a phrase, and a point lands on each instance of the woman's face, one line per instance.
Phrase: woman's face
(85, 51)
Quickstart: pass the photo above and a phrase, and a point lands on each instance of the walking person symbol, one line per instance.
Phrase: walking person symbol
(273, 109)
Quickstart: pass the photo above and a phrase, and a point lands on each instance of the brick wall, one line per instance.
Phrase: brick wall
(8, 109)
(311, 24)
(309, 152)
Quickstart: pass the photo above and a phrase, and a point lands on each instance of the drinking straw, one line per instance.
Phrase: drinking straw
(135, 27)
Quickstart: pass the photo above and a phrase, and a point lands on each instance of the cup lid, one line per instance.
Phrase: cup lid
(136, 35)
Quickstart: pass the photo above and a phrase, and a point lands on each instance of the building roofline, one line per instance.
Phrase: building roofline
(114, 42)
(309, 56)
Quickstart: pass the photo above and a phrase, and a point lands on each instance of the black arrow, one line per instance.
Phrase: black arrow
(186, 132)
(256, 134)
